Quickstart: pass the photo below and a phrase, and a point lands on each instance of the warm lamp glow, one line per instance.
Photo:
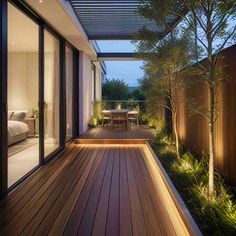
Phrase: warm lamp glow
(157, 176)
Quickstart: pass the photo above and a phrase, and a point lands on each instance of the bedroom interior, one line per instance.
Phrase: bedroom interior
(23, 95)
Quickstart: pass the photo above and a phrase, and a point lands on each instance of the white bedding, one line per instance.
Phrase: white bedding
(16, 128)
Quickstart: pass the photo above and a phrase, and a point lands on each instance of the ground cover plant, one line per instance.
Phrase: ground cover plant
(215, 215)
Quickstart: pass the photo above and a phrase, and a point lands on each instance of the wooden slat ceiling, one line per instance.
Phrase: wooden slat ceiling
(112, 19)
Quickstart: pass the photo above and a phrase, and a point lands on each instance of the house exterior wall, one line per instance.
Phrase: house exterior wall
(86, 89)
(85, 92)
(98, 85)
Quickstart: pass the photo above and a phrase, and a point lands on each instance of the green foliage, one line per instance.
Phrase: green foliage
(115, 89)
(220, 13)
(92, 122)
(218, 214)
(98, 107)
(96, 119)
(137, 94)
(161, 83)
(215, 215)
(212, 26)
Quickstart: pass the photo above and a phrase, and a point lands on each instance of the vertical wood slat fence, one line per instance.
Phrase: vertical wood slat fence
(193, 130)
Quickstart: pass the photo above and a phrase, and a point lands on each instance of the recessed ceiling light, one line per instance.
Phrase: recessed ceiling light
(40, 1)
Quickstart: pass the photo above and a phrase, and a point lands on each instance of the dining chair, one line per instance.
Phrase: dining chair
(120, 118)
(106, 116)
(133, 116)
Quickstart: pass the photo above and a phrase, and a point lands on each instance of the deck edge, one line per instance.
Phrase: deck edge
(110, 141)
(178, 201)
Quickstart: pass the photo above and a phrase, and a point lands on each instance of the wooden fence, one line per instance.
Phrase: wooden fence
(193, 130)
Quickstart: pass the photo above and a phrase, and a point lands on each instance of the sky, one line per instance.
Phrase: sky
(129, 71)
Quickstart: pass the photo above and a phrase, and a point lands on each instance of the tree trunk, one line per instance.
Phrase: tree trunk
(211, 141)
(168, 118)
(176, 133)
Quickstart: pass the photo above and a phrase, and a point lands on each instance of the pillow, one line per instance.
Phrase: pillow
(19, 115)
(10, 113)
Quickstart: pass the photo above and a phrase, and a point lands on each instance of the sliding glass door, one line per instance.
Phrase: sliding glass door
(37, 78)
(69, 93)
(23, 96)
(51, 93)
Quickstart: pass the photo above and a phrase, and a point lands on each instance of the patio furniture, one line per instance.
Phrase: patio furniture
(120, 117)
(133, 116)
(106, 116)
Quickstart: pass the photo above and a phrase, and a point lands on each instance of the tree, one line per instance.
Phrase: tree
(213, 27)
(163, 64)
(137, 94)
(115, 89)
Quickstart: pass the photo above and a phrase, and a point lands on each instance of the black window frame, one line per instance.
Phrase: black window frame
(43, 25)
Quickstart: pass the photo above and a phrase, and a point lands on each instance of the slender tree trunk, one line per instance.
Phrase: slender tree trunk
(176, 133)
(211, 141)
(169, 112)
(211, 101)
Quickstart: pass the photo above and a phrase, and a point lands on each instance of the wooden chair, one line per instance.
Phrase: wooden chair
(133, 116)
(120, 118)
(106, 116)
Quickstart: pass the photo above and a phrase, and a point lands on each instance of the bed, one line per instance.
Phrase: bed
(17, 129)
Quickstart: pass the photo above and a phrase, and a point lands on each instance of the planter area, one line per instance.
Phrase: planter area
(189, 173)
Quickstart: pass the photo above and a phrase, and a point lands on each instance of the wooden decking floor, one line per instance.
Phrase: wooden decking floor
(89, 190)
(133, 132)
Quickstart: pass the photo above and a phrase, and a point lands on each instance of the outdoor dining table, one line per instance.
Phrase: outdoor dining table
(122, 114)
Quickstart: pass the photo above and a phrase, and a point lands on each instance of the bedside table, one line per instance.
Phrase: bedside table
(32, 124)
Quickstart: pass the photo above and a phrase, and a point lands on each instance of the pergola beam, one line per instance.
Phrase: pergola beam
(116, 20)
(112, 19)
(118, 56)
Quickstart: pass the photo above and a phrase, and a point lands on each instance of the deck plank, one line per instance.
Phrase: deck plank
(138, 224)
(99, 226)
(125, 210)
(33, 184)
(62, 218)
(151, 223)
(20, 214)
(56, 200)
(112, 227)
(166, 226)
(105, 132)
(86, 226)
(90, 190)
(76, 215)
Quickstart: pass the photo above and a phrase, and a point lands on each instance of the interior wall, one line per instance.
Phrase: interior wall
(85, 92)
(23, 81)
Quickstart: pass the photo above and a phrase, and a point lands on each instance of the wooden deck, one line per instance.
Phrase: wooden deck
(133, 133)
(92, 190)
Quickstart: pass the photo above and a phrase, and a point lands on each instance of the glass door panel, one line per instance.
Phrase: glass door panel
(51, 94)
(69, 93)
(23, 96)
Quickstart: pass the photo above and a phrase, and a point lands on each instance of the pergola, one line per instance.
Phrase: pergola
(114, 19)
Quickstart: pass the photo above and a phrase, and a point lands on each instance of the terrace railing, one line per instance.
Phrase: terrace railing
(138, 105)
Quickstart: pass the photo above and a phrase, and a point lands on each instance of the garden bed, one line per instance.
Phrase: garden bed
(189, 174)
